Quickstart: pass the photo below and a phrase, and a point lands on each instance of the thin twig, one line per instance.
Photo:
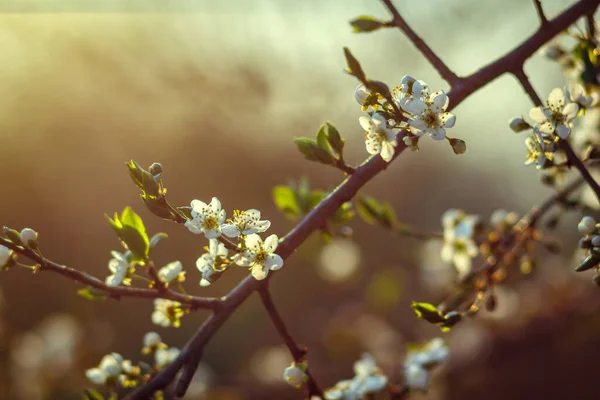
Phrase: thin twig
(564, 145)
(435, 61)
(540, 12)
(115, 292)
(298, 354)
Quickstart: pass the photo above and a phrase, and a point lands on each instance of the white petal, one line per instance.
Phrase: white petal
(198, 206)
(259, 273)
(262, 226)
(379, 120)
(438, 134)
(462, 262)
(447, 252)
(387, 151)
(230, 230)
(253, 242)
(366, 123)
(570, 111)
(438, 100)
(563, 131)
(537, 114)
(215, 204)
(243, 260)
(274, 262)
(450, 120)
(271, 243)
(114, 280)
(373, 146)
(556, 98)
(417, 107)
(418, 124)
(212, 233)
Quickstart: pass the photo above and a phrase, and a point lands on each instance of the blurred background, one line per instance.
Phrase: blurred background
(216, 91)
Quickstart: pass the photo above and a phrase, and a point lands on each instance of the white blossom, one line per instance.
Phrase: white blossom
(535, 152)
(416, 377)
(164, 357)
(166, 313)
(119, 266)
(294, 375)
(109, 368)
(409, 90)
(459, 251)
(368, 379)
(419, 361)
(260, 256)
(28, 235)
(245, 223)
(429, 115)
(579, 96)
(379, 139)
(209, 263)
(96, 375)
(5, 255)
(206, 218)
(556, 115)
(171, 271)
(587, 225)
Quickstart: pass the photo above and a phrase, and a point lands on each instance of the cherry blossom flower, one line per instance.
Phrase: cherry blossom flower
(578, 95)
(164, 357)
(419, 361)
(206, 218)
(556, 115)
(368, 379)
(108, 369)
(211, 264)
(295, 375)
(120, 267)
(260, 256)
(379, 139)
(245, 223)
(167, 313)
(171, 271)
(429, 115)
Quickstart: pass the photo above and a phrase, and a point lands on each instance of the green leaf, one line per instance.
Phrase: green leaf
(286, 201)
(157, 206)
(335, 140)
(91, 293)
(368, 208)
(91, 394)
(135, 171)
(365, 23)
(354, 67)
(387, 216)
(428, 312)
(313, 152)
(149, 184)
(130, 229)
(13, 235)
(343, 215)
(322, 140)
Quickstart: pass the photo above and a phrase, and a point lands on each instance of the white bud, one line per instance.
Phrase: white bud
(5, 255)
(294, 375)
(29, 237)
(152, 339)
(416, 377)
(596, 241)
(517, 125)
(164, 357)
(361, 93)
(96, 375)
(170, 271)
(587, 225)
(111, 364)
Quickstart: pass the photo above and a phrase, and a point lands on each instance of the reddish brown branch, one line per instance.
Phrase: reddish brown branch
(297, 353)
(435, 61)
(540, 12)
(115, 292)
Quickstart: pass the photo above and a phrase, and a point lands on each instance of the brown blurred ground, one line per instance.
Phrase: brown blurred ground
(216, 94)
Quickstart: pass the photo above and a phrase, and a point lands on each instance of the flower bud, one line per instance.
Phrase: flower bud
(361, 94)
(587, 225)
(458, 145)
(156, 168)
(517, 125)
(96, 376)
(5, 256)
(596, 241)
(294, 375)
(152, 340)
(111, 364)
(170, 271)
(29, 237)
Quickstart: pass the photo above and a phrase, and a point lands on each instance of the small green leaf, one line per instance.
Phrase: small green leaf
(149, 184)
(91, 394)
(13, 235)
(368, 208)
(186, 211)
(335, 140)
(322, 140)
(365, 23)
(313, 152)
(130, 229)
(354, 67)
(286, 201)
(428, 312)
(157, 206)
(387, 216)
(91, 293)
(135, 171)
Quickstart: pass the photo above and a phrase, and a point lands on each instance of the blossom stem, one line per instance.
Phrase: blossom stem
(432, 57)
(540, 12)
(229, 244)
(297, 353)
(115, 292)
(564, 144)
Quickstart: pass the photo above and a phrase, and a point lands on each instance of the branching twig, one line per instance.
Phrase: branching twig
(540, 12)
(435, 61)
(297, 353)
(116, 291)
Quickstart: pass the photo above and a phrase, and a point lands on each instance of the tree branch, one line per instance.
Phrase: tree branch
(461, 89)
(540, 11)
(297, 353)
(115, 292)
(435, 61)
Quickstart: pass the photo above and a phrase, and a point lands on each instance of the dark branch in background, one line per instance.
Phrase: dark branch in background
(461, 89)
(540, 12)
(564, 144)
(435, 61)
(297, 353)
(115, 292)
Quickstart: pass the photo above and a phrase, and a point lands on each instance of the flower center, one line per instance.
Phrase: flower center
(210, 222)
(431, 120)
(260, 257)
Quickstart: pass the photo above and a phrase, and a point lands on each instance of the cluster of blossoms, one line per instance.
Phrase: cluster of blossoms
(420, 360)
(251, 252)
(368, 379)
(423, 113)
(122, 268)
(591, 243)
(459, 246)
(114, 370)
